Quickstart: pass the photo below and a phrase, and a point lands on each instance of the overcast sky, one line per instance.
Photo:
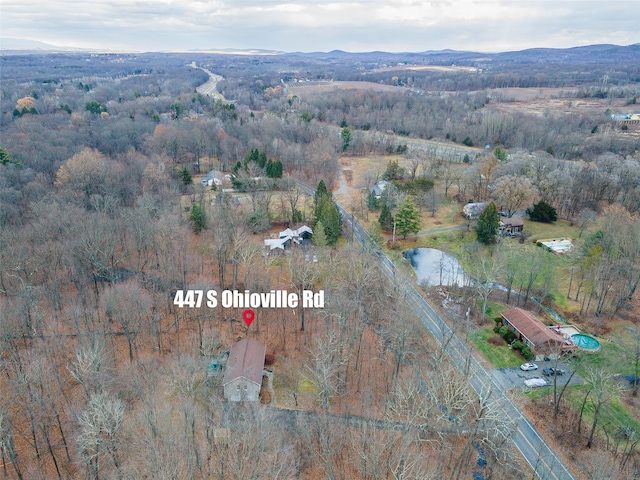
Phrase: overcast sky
(312, 25)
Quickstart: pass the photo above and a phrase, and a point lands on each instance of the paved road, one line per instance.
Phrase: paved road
(545, 464)
(209, 88)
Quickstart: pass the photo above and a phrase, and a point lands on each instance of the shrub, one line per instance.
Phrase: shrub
(500, 153)
(517, 346)
(506, 334)
(527, 353)
(542, 212)
(497, 341)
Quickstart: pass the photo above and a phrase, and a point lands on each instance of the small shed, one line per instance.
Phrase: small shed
(243, 375)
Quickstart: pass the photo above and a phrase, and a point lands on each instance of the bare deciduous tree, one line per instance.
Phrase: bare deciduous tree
(512, 192)
(100, 424)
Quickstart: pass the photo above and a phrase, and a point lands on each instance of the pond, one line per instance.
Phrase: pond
(435, 267)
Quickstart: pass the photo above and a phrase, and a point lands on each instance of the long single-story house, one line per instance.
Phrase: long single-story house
(243, 375)
(542, 340)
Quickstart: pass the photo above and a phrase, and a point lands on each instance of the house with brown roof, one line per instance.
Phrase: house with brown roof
(243, 375)
(511, 226)
(541, 339)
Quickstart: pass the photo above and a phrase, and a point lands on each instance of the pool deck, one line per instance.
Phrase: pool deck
(566, 331)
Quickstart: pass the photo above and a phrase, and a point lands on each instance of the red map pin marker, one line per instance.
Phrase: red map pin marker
(248, 316)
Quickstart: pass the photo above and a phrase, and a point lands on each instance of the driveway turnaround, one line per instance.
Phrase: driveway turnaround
(514, 377)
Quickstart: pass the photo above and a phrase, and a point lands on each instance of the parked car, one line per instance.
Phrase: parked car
(552, 371)
(525, 367)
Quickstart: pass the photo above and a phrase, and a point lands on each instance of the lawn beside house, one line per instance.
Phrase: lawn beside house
(499, 356)
(558, 229)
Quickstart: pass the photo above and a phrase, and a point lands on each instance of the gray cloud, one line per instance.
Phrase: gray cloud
(310, 25)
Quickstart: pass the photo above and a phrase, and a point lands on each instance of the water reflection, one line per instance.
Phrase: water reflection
(435, 267)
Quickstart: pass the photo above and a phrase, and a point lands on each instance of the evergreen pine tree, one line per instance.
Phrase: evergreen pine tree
(385, 219)
(372, 201)
(407, 219)
(262, 159)
(5, 156)
(277, 169)
(321, 191)
(319, 238)
(542, 212)
(198, 218)
(185, 176)
(330, 218)
(321, 194)
(488, 223)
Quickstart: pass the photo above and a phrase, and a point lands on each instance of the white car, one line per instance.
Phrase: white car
(525, 367)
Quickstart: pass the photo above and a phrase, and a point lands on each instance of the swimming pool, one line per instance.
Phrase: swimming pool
(585, 342)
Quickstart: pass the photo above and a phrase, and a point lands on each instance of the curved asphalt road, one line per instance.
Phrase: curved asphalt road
(545, 464)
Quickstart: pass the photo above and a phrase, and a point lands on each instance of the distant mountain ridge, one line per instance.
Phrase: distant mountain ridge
(580, 54)
(601, 53)
(7, 43)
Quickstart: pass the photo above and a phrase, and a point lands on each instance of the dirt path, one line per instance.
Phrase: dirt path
(343, 189)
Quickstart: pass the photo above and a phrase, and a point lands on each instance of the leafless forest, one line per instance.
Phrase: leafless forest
(102, 376)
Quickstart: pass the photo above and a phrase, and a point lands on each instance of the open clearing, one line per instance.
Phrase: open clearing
(314, 87)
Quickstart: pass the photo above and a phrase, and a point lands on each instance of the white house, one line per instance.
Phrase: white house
(214, 177)
(243, 375)
(379, 188)
(287, 237)
(277, 243)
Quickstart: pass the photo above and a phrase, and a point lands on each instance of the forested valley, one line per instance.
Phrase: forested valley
(103, 218)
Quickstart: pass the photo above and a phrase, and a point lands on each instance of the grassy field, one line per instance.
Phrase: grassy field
(494, 309)
(559, 229)
(612, 357)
